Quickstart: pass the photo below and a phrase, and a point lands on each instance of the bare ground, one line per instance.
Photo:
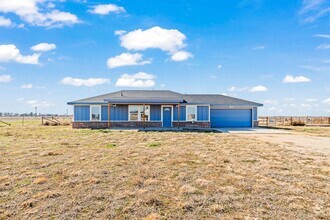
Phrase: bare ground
(57, 172)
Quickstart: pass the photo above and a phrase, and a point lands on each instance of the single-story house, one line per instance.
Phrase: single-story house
(163, 108)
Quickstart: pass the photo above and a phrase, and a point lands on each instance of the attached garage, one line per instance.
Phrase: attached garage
(222, 118)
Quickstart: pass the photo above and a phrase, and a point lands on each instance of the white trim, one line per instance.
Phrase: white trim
(161, 115)
(73, 113)
(90, 112)
(139, 113)
(196, 115)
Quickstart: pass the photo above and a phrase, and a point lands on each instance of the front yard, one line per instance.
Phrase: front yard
(58, 172)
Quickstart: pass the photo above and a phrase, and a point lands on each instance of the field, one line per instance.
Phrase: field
(55, 172)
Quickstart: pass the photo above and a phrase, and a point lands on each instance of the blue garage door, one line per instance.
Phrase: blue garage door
(222, 118)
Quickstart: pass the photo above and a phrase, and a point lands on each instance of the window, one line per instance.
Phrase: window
(139, 113)
(95, 113)
(191, 113)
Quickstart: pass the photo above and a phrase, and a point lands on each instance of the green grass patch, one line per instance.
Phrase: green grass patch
(154, 144)
(111, 145)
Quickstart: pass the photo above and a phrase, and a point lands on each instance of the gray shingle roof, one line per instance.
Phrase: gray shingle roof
(163, 96)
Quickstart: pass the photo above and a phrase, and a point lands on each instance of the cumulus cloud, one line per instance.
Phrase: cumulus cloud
(140, 79)
(295, 79)
(127, 59)
(5, 78)
(9, 53)
(181, 56)
(120, 32)
(106, 9)
(27, 86)
(5, 22)
(43, 47)
(36, 12)
(327, 101)
(84, 82)
(258, 89)
(168, 40)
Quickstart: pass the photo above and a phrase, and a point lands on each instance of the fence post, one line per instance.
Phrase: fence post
(42, 120)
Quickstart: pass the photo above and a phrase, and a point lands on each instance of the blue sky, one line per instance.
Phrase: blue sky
(269, 51)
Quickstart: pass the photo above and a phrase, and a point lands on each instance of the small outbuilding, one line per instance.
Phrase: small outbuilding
(163, 108)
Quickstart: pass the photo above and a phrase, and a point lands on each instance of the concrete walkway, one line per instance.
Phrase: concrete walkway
(252, 131)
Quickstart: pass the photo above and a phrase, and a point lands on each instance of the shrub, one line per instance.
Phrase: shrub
(298, 123)
(111, 145)
(154, 144)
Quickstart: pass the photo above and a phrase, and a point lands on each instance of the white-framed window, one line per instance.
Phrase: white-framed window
(191, 113)
(139, 113)
(95, 113)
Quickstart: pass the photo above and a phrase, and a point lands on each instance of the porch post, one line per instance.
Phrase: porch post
(144, 117)
(178, 115)
(109, 106)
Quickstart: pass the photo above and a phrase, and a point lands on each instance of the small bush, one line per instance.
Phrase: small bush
(111, 145)
(298, 123)
(154, 144)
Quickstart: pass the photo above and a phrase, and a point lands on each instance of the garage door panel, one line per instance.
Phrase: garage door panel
(231, 118)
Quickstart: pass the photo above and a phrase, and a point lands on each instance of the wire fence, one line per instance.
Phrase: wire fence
(292, 121)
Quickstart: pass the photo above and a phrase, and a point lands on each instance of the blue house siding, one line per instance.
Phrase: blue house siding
(155, 113)
(255, 114)
(182, 113)
(118, 113)
(202, 113)
(81, 113)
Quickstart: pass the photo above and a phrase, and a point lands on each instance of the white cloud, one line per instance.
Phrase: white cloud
(106, 9)
(260, 47)
(327, 101)
(120, 32)
(5, 22)
(36, 12)
(311, 100)
(9, 53)
(127, 59)
(246, 88)
(313, 10)
(5, 78)
(42, 104)
(237, 89)
(295, 79)
(219, 66)
(140, 79)
(322, 35)
(258, 89)
(27, 86)
(324, 46)
(181, 56)
(84, 82)
(169, 40)
(43, 47)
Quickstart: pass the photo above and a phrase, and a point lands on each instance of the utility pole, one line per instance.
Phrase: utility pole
(35, 110)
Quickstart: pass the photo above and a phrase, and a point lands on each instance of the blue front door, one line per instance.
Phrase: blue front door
(167, 117)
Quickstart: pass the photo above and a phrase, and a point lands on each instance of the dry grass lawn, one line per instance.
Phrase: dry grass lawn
(61, 173)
